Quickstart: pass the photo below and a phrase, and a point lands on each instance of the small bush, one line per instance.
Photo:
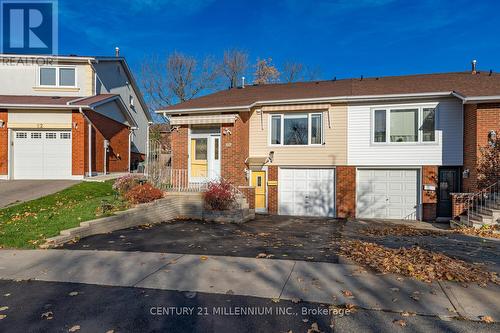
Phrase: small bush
(143, 193)
(126, 183)
(219, 195)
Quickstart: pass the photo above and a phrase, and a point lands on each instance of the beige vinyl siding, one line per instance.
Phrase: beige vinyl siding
(333, 152)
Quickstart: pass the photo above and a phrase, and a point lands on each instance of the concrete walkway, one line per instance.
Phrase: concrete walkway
(17, 191)
(267, 278)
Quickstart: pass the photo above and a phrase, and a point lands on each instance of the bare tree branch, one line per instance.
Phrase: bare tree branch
(176, 79)
(234, 65)
(295, 71)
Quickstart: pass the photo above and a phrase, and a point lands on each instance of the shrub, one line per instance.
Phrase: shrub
(126, 183)
(219, 195)
(143, 193)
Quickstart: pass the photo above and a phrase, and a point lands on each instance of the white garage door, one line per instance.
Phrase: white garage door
(42, 154)
(388, 194)
(307, 192)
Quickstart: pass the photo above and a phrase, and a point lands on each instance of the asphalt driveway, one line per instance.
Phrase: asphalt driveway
(279, 237)
(17, 191)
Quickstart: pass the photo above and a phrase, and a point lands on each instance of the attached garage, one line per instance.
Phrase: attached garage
(41, 154)
(306, 192)
(387, 193)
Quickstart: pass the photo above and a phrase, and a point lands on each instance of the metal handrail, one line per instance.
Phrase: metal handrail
(479, 201)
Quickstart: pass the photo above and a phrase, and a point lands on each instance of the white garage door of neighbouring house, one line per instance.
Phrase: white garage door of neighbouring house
(42, 154)
(307, 192)
(387, 193)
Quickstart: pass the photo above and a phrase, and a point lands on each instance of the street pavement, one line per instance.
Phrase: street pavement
(277, 280)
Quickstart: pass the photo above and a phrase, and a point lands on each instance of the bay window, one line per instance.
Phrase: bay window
(404, 125)
(296, 129)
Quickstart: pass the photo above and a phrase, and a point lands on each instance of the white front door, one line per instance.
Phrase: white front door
(387, 193)
(205, 157)
(41, 154)
(307, 192)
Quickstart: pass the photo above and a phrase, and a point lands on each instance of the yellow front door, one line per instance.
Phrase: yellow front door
(199, 158)
(259, 182)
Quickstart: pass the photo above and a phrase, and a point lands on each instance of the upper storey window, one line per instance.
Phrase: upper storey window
(404, 125)
(296, 129)
(57, 77)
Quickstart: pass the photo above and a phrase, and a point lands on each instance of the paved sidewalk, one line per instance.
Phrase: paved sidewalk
(279, 279)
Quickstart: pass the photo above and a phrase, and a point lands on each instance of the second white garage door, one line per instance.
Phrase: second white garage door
(42, 154)
(307, 192)
(384, 193)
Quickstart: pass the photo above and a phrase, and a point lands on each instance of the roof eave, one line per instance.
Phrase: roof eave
(336, 99)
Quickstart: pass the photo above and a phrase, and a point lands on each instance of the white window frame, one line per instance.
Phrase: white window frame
(57, 85)
(282, 132)
(388, 108)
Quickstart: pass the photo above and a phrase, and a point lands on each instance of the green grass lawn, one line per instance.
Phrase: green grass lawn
(28, 224)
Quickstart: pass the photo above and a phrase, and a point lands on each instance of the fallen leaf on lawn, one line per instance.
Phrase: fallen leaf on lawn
(74, 328)
(73, 293)
(203, 258)
(350, 306)
(275, 300)
(6, 295)
(415, 297)
(395, 289)
(229, 292)
(270, 256)
(261, 255)
(486, 319)
(3, 308)
(2, 316)
(48, 315)
(110, 331)
(347, 293)
(296, 300)
(305, 320)
(399, 322)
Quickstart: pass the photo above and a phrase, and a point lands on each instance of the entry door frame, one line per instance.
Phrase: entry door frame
(458, 180)
(212, 174)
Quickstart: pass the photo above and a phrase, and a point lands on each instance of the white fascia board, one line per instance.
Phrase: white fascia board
(42, 106)
(476, 99)
(337, 99)
(55, 57)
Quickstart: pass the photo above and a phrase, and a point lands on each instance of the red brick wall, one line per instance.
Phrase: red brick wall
(249, 193)
(478, 121)
(180, 154)
(235, 149)
(78, 144)
(458, 202)
(4, 144)
(272, 191)
(470, 146)
(429, 198)
(346, 191)
(118, 136)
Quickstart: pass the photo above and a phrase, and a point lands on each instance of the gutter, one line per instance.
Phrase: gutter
(310, 100)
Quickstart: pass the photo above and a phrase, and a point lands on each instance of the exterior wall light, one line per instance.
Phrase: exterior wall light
(2, 123)
(492, 137)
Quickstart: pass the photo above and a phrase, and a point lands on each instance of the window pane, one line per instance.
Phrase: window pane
(276, 130)
(428, 124)
(296, 131)
(47, 76)
(67, 77)
(380, 126)
(316, 129)
(404, 125)
(200, 149)
(216, 149)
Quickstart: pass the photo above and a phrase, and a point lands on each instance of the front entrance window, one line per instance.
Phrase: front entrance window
(199, 165)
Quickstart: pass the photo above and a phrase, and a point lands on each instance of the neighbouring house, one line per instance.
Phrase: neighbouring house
(384, 147)
(69, 117)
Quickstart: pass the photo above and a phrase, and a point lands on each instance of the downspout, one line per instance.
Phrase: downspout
(146, 169)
